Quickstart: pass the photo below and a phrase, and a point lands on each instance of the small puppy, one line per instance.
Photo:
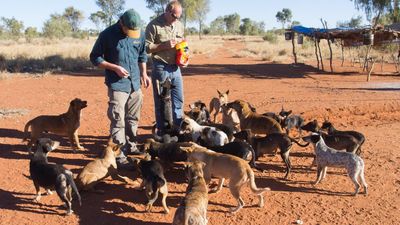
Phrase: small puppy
(326, 156)
(216, 103)
(226, 166)
(153, 182)
(193, 208)
(64, 124)
(51, 176)
(257, 123)
(99, 169)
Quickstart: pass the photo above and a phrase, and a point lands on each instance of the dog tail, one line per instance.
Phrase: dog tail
(26, 130)
(155, 185)
(70, 179)
(253, 185)
(299, 144)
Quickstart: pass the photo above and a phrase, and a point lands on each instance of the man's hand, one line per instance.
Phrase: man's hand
(121, 71)
(146, 81)
(170, 44)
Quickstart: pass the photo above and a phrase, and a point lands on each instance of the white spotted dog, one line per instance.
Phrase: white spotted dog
(326, 156)
(203, 135)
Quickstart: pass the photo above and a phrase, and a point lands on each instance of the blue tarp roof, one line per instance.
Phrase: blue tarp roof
(309, 31)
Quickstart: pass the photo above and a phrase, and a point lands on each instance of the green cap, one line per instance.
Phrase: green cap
(131, 19)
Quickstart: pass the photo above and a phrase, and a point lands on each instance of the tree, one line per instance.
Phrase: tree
(57, 27)
(372, 8)
(249, 27)
(284, 16)
(31, 33)
(232, 23)
(218, 26)
(111, 9)
(13, 27)
(157, 6)
(202, 7)
(98, 18)
(74, 17)
(354, 22)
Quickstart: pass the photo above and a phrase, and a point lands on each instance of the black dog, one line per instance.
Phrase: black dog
(357, 135)
(240, 149)
(52, 176)
(153, 181)
(168, 131)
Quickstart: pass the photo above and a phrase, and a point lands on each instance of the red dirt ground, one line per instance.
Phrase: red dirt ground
(344, 97)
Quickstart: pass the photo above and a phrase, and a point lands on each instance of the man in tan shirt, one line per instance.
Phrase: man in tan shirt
(162, 34)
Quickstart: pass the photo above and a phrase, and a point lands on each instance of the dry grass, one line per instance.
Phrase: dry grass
(45, 55)
(12, 112)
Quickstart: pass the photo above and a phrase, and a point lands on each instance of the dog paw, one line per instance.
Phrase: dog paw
(166, 211)
(69, 212)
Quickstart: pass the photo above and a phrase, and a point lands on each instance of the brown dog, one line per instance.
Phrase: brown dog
(193, 208)
(64, 124)
(257, 123)
(99, 169)
(226, 166)
(216, 103)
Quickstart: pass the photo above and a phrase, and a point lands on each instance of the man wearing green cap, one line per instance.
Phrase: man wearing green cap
(120, 50)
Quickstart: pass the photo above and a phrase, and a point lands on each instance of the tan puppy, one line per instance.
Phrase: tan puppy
(64, 124)
(257, 123)
(216, 103)
(193, 209)
(99, 169)
(223, 166)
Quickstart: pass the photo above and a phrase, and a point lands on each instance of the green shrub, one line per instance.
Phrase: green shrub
(270, 37)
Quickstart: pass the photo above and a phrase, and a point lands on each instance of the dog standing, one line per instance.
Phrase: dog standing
(257, 123)
(216, 103)
(193, 208)
(51, 176)
(226, 166)
(270, 145)
(99, 169)
(64, 124)
(357, 135)
(326, 156)
(291, 121)
(153, 182)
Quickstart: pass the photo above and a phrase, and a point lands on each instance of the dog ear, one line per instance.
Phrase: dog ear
(227, 92)
(54, 145)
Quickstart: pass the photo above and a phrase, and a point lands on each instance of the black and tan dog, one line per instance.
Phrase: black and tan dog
(226, 166)
(270, 145)
(64, 124)
(193, 208)
(153, 182)
(101, 168)
(166, 152)
(357, 135)
(51, 176)
(257, 123)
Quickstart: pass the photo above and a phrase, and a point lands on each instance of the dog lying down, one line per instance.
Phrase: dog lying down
(99, 169)
(52, 176)
(193, 208)
(64, 124)
(226, 166)
(326, 156)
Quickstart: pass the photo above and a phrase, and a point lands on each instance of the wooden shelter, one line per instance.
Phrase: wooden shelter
(348, 37)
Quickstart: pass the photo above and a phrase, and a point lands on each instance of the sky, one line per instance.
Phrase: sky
(308, 12)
